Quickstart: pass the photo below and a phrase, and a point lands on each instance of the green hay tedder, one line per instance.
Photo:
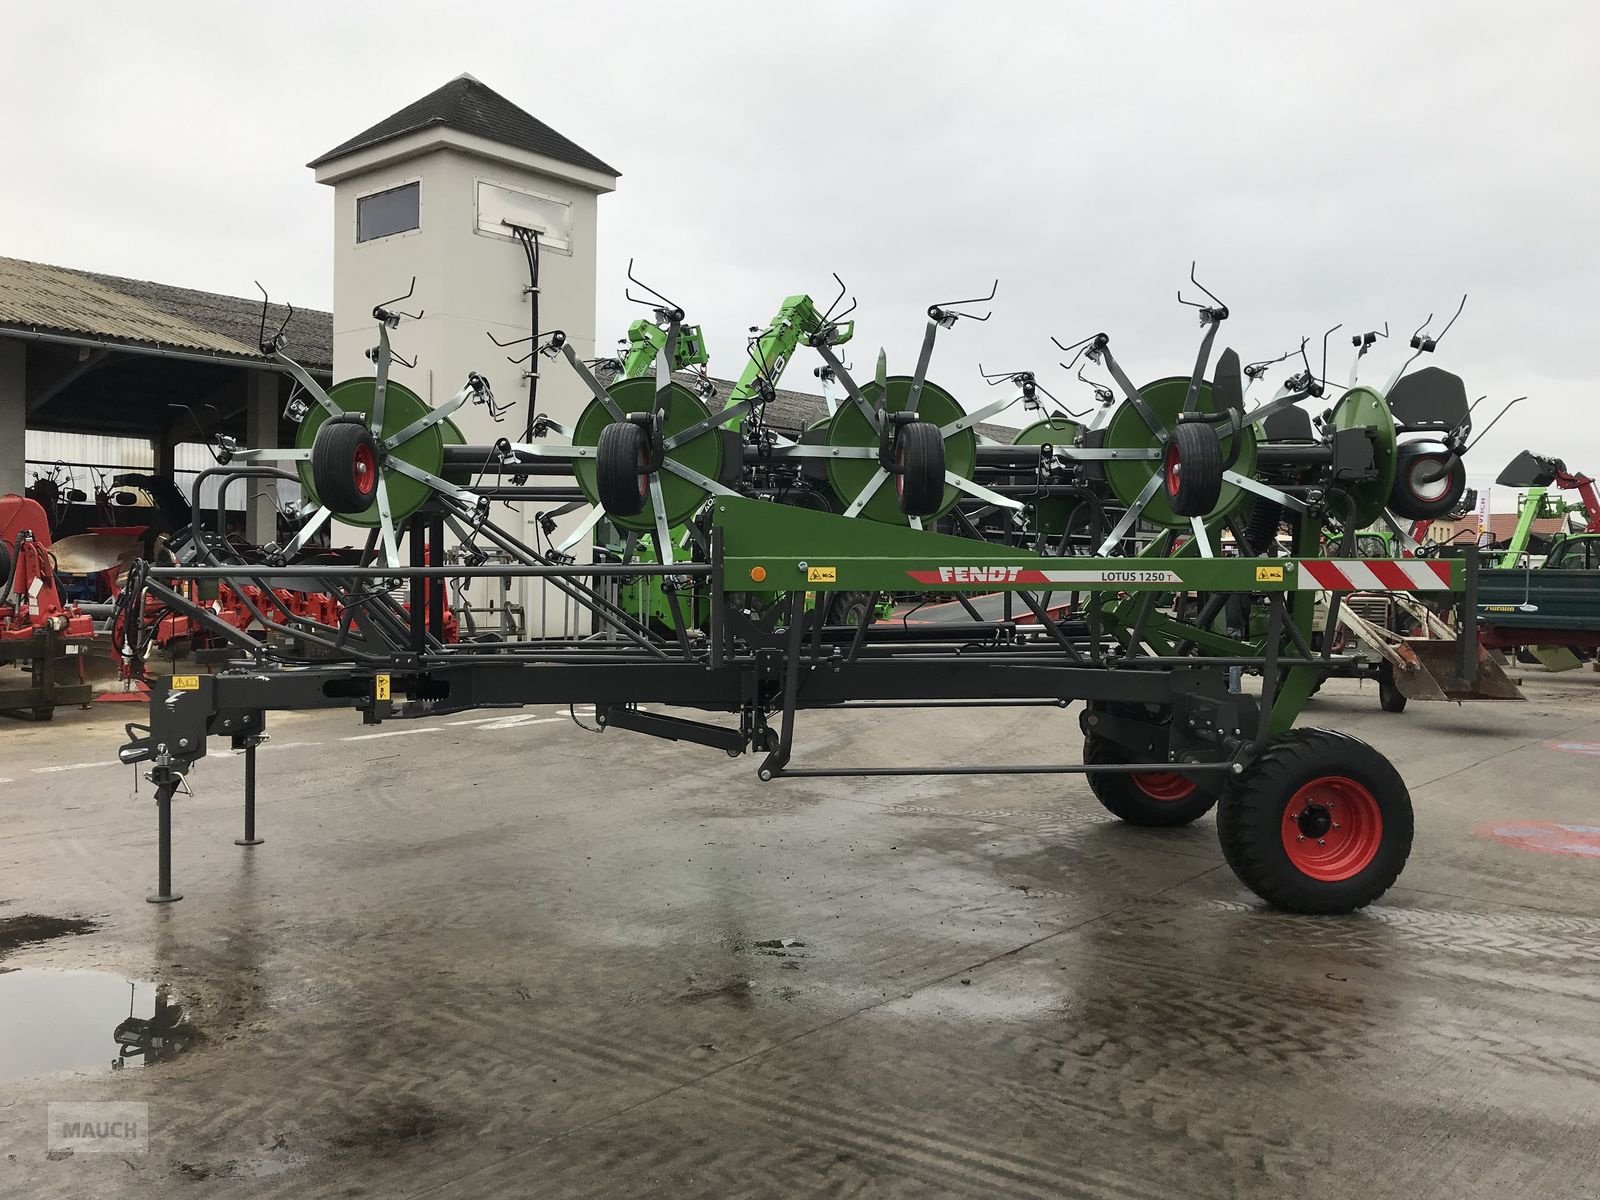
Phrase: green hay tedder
(1135, 545)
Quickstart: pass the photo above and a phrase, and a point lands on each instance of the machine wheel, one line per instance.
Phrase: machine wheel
(619, 462)
(1390, 697)
(1151, 798)
(5, 568)
(847, 608)
(1318, 823)
(344, 466)
(919, 453)
(1192, 469)
(1428, 482)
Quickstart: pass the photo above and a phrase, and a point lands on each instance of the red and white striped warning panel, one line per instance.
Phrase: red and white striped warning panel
(1373, 575)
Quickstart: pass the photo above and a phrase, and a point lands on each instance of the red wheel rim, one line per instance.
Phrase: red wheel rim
(644, 476)
(365, 468)
(900, 475)
(1332, 828)
(1428, 491)
(1172, 468)
(1163, 785)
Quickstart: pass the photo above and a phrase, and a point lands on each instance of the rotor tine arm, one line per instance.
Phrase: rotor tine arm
(867, 493)
(1201, 537)
(1132, 393)
(311, 385)
(924, 357)
(981, 492)
(308, 530)
(1129, 518)
(663, 537)
(854, 392)
(669, 348)
(380, 386)
(391, 544)
(596, 389)
(584, 529)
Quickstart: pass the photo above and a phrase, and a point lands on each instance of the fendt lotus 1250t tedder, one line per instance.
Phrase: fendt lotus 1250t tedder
(1105, 530)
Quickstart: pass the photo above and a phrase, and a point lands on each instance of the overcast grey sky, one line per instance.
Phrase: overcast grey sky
(1355, 162)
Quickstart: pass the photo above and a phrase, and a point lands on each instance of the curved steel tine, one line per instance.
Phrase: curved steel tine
(1207, 311)
(674, 310)
(947, 306)
(1491, 424)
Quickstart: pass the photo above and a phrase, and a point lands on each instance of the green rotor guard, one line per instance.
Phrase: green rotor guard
(401, 406)
(849, 428)
(1127, 431)
(1051, 512)
(680, 497)
(1361, 407)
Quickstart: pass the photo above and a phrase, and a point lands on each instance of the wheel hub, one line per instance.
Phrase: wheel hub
(1314, 821)
(1332, 828)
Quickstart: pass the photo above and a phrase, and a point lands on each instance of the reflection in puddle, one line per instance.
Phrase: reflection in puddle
(84, 1021)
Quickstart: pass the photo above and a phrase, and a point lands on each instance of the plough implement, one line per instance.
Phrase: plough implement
(1106, 530)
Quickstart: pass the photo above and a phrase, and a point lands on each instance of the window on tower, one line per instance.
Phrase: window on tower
(382, 214)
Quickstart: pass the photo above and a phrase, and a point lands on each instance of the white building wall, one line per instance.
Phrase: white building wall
(469, 283)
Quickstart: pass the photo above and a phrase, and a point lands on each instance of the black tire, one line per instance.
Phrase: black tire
(1291, 796)
(1390, 698)
(919, 453)
(5, 568)
(344, 466)
(1153, 799)
(847, 608)
(619, 476)
(1192, 467)
(1429, 481)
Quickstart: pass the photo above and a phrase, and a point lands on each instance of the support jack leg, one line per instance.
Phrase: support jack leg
(249, 838)
(166, 785)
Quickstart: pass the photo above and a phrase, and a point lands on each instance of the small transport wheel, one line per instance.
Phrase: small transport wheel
(620, 478)
(1319, 822)
(848, 608)
(1429, 481)
(1192, 469)
(919, 453)
(344, 465)
(1390, 697)
(1145, 798)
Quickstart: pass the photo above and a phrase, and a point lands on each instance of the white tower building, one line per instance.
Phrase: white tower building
(428, 192)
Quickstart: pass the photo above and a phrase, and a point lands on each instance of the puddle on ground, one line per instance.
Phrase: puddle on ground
(85, 1021)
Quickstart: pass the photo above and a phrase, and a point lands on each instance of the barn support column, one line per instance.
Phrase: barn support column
(13, 416)
(261, 433)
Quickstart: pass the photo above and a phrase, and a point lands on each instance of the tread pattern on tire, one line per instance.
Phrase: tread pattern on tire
(919, 452)
(1250, 817)
(617, 476)
(1200, 469)
(333, 453)
(1122, 798)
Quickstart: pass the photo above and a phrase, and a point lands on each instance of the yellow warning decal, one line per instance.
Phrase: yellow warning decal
(1269, 574)
(1501, 607)
(186, 683)
(380, 687)
(822, 574)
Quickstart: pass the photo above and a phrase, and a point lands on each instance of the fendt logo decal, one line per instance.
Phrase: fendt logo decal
(979, 575)
(1029, 575)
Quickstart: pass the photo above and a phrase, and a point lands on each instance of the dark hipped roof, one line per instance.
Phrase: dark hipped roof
(132, 312)
(468, 106)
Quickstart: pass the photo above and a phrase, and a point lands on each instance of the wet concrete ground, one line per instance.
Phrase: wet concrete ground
(515, 958)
